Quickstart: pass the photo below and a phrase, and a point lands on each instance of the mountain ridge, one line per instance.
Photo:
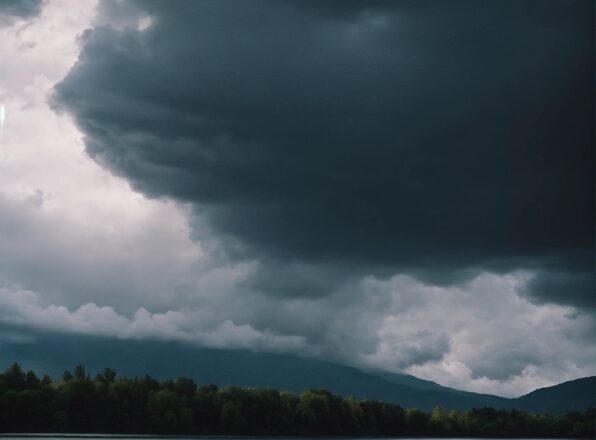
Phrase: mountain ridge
(273, 370)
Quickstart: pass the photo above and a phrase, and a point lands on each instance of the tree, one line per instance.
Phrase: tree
(31, 381)
(185, 388)
(144, 405)
(14, 377)
(416, 421)
(232, 419)
(107, 376)
(80, 373)
(437, 421)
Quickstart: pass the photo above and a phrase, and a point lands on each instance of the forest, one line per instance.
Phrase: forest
(106, 403)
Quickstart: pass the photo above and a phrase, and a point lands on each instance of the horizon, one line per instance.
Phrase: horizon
(399, 186)
(58, 373)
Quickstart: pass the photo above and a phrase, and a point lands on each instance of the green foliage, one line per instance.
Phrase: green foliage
(110, 404)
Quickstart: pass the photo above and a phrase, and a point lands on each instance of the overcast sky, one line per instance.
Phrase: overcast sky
(405, 185)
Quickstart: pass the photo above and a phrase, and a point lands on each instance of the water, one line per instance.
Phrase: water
(211, 437)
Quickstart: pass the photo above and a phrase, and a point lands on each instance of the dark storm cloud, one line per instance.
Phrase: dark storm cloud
(577, 287)
(434, 138)
(13, 9)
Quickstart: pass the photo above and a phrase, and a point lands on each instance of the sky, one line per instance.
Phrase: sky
(403, 185)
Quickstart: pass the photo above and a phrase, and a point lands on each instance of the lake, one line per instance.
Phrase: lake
(122, 436)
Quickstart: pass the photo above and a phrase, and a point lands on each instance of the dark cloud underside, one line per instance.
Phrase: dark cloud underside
(12, 9)
(434, 138)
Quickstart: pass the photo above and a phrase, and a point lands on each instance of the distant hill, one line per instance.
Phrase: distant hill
(54, 353)
(576, 394)
(413, 381)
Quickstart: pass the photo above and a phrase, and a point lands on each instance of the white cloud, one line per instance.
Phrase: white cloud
(24, 308)
(68, 228)
(498, 341)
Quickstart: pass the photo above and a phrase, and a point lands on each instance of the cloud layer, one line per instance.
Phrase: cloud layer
(433, 139)
(491, 340)
(11, 10)
(406, 185)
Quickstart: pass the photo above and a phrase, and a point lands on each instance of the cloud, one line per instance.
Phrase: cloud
(24, 307)
(393, 137)
(78, 260)
(11, 10)
(291, 198)
(491, 340)
(406, 350)
(577, 286)
(482, 336)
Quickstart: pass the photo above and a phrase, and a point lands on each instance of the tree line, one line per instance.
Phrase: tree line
(78, 403)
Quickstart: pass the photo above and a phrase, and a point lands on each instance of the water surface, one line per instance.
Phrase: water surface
(219, 437)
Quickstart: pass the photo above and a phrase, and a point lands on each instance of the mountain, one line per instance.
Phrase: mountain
(576, 394)
(53, 353)
(413, 381)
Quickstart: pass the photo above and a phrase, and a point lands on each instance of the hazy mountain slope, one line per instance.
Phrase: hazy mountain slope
(576, 394)
(53, 353)
(413, 381)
